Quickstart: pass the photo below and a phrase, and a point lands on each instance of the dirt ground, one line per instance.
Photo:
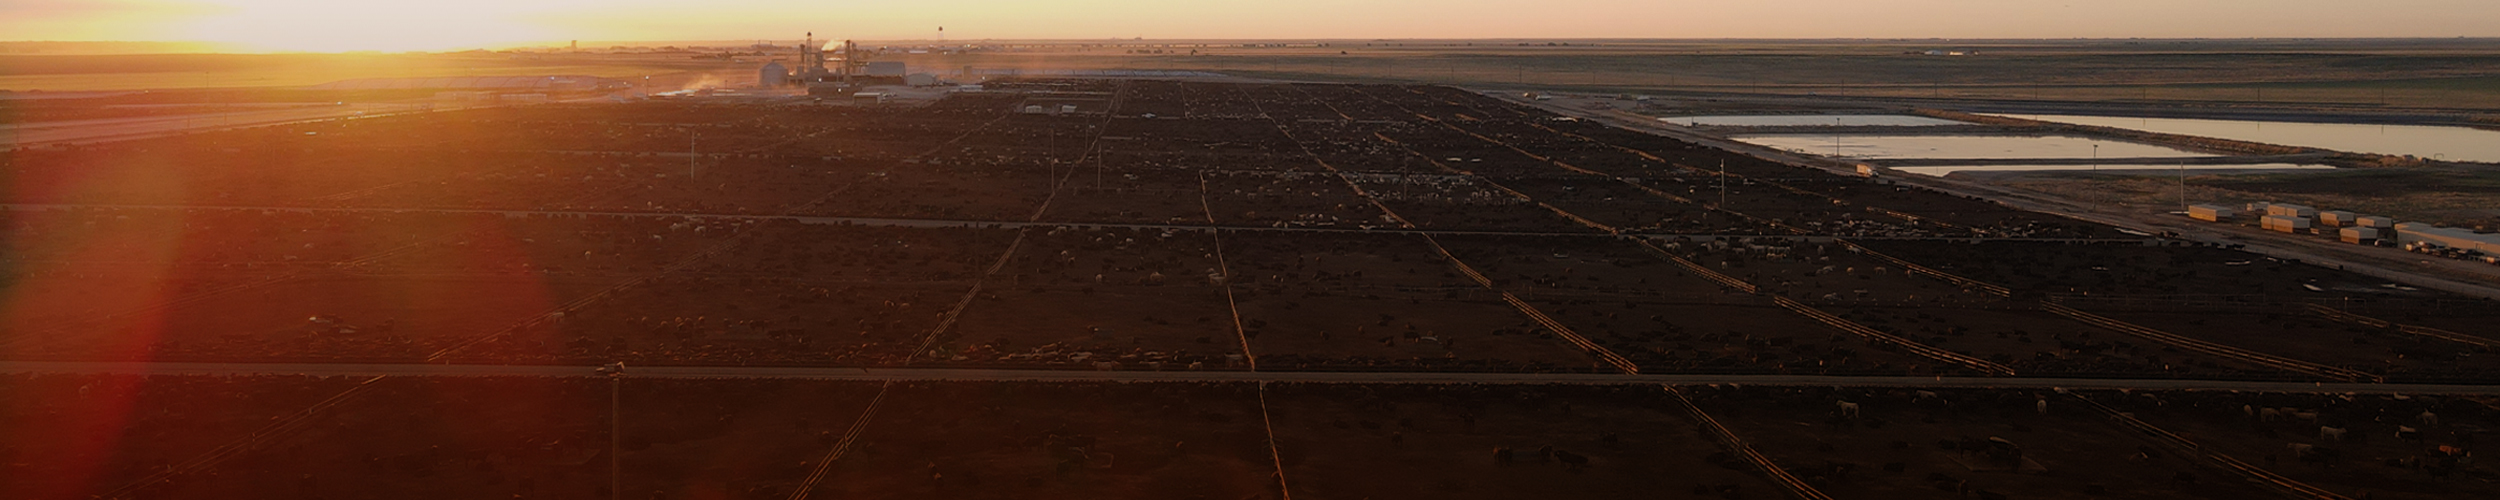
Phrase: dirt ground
(2135, 269)
(1355, 442)
(497, 437)
(67, 436)
(320, 319)
(2371, 459)
(2040, 343)
(1004, 440)
(2317, 340)
(1901, 445)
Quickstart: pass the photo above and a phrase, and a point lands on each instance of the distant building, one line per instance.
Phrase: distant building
(2211, 213)
(2358, 234)
(885, 68)
(2290, 210)
(921, 80)
(772, 75)
(2284, 223)
(2413, 233)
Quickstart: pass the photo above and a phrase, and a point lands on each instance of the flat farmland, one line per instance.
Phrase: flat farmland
(1141, 196)
(1403, 331)
(1287, 199)
(1130, 326)
(2135, 269)
(1010, 440)
(1729, 337)
(1826, 272)
(946, 192)
(1631, 209)
(1461, 203)
(2373, 456)
(1564, 266)
(859, 253)
(2039, 343)
(69, 436)
(2321, 341)
(1352, 442)
(1903, 444)
(537, 437)
(318, 319)
(699, 320)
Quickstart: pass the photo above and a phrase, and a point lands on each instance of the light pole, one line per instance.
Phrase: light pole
(2183, 204)
(616, 392)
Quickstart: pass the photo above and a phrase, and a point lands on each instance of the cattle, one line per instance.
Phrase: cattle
(2268, 415)
(2307, 416)
(1848, 409)
(2408, 433)
(2427, 418)
(1501, 456)
(1572, 461)
(2041, 405)
(2330, 433)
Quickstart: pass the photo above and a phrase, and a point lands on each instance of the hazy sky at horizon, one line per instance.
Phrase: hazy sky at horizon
(457, 24)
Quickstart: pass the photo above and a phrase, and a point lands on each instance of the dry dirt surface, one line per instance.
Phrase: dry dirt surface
(1162, 226)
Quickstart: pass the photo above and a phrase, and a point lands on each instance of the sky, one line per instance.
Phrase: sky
(394, 25)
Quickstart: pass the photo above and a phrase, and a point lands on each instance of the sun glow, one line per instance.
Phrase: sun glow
(334, 26)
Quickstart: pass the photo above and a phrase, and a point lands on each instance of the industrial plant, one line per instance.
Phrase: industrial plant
(841, 71)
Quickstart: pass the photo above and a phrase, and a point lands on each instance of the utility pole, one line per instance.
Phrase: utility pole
(2183, 204)
(1723, 184)
(616, 412)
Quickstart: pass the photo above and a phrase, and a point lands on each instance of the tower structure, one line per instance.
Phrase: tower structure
(811, 59)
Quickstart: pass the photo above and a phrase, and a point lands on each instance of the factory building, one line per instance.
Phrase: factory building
(811, 69)
(2417, 233)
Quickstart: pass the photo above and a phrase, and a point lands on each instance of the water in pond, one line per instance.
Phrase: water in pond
(1963, 147)
(2132, 169)
(2448, 143)
(1809, 121)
